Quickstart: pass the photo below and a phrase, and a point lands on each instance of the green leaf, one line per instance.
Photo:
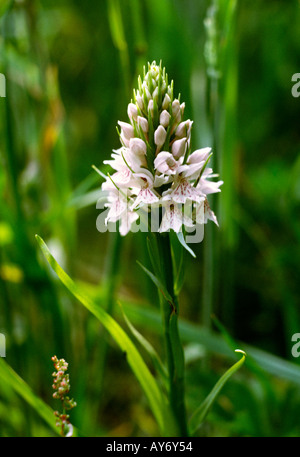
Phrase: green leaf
(162, 288)
(10, 377)
(157, 363)
(157, 401)
(116, 25)
(153, 252)
(201, 413)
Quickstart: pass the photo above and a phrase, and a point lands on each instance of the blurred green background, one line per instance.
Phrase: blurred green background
(70, 69)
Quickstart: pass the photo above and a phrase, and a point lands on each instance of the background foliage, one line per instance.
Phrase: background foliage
(70, 68)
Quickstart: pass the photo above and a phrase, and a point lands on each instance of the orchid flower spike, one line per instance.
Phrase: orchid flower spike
(155, 166)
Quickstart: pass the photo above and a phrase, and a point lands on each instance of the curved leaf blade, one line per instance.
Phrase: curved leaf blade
(200, 414)
(157, 363)
(160, 286)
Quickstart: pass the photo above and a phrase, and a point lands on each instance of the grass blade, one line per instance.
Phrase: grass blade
(161, 287)
(157, 363)
(10, 377)
(201, 413)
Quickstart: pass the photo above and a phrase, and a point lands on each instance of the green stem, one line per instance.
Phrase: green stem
(174, 350)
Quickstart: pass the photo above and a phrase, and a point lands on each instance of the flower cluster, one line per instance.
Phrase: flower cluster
(61, 385)
(154, 167)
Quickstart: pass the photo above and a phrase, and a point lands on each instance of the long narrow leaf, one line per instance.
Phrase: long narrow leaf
(157, 282)
(157, 363)
(148, 383)
(201, 413)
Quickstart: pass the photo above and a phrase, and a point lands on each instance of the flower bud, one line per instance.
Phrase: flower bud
(164, 118)
(146, 90)
(179, 148)
(150, 107)
(160, 135)
(142, 123)
(184, 129)
(137, 146)
(178, 112)
(127, 130)
(155, 94)
(200, 155)
(139, 100)
(132, 111)
(166, 102)
(175, 107)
